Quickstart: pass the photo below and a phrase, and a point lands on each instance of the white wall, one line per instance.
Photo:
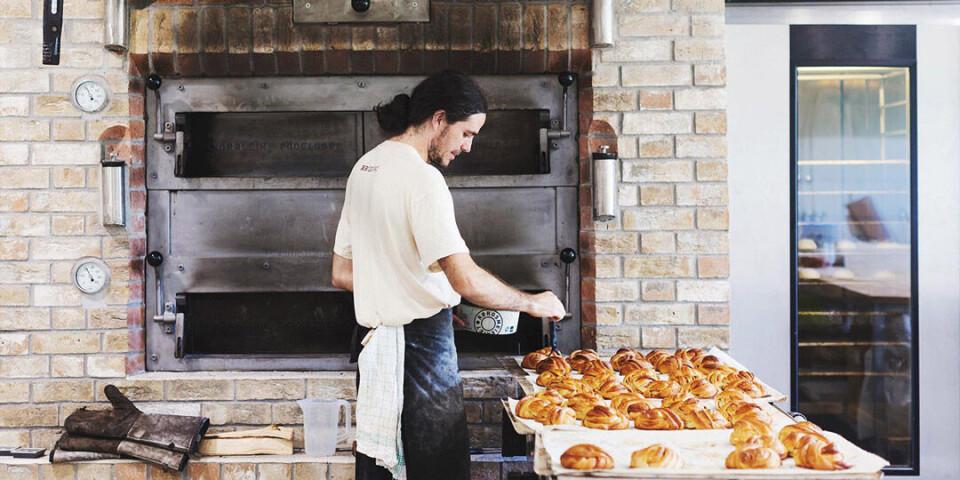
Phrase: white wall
(758, 124)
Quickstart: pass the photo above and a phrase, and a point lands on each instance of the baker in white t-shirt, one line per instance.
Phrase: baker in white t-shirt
(399, 250)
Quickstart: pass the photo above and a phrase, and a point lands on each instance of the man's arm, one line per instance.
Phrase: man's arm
(482, 288)
(342, 272)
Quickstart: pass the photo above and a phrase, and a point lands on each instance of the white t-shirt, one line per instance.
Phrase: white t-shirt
(397, 221)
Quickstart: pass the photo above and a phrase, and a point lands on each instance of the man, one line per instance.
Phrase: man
(399, 250)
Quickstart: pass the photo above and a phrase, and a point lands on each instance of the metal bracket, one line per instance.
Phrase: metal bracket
(171, 316)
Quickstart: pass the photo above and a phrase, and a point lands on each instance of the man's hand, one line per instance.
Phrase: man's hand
(546, 305)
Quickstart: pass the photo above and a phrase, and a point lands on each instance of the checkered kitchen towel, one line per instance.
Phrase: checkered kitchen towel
(380, 398)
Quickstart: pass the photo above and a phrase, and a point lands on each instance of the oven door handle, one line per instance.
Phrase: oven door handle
(166, 311)
(567, 256)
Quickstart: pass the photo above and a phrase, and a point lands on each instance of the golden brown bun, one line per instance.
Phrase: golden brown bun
(596, 377)
(603, 417)
(689, 353)
(743, 430)
(636, 365)
(656, 356)
(582, 403)
(530, 406)
(622, 355)
(727, 397)
(750, 412)
(569, 386)
(703, 418)
(671, 364)
(532, 359)
(751, 388)
(661, 389)
(611, 388)
(753, 455)
(624, 402)
(596, 365)
(680, 401)
(701, 388)
(586, 457)
(549, 352)
(708, 363)
(545, 379)
(578, 357)
(656, 456)
(557, 415)
(657, 419)
(554, 364)
(770, 442)
(791, 434)
(819, 455)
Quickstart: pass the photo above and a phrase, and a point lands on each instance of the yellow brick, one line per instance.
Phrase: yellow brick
(23, 225)
(710, 74)
(612, 338)
(659, 337)
(652, 195)
(62, 272)
(86, 9)
(67, 130)
(643, 171)
(609, 266)
(658, 219)
(14, 295)
(13, 202)
(698, 49)
(24, 319)
(230, 413)
(713, 314)
(28, 415)
(15, 130)
(24, 366)
(65, 201)
(657, 291)
(702, 195)
(656, 147)
(713, 267)
(654, 25)
(703, 242)
(713, 219)
(68, 318)
(200, 390)
(617, 291)
(660, 314)
(14, 343)
(701, 146)
(23, 178)
(13, 106)
(274, 389)
(15, 8)
(56, 296)
(701, 99)
(658, 267)
(14, 392)
(608, 315)
(66, 342)
(135, 390)
(55, 391)
(84, 31)
(616, 242)
(24, 82)
(115, 342)
(24, 272)
(67, 225)
(658, 242)
(65, 248)
(712, 170)
(106, 366)
(66, 153)
(54, 106)
(108, 318)
(703, 337)
(13, 154)
(614, 100)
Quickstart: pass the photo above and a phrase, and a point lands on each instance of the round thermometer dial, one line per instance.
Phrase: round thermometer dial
(90, 96)
(90, 276)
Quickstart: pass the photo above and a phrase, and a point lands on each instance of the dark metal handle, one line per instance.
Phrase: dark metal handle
(52, 28)
(567, 256)
(155, 259)
(360, 6)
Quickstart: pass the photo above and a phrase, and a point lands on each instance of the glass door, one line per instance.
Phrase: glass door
(854, 211)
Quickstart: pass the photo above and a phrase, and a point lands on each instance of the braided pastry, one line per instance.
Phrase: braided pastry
(661, 389)
(770, 442)
(547, 378)
(603, 417)
(581, 403)
(818, 455)
(530, 406)
(554, 364)
(749, 387)
(556, 415)
(622, 355)
(743, 430)
(586, 457)
(629, 403)
(791, 434)
(703, 418)
(750, 412)
(656, 456)
(680, 401)
(596, 377)
(531, 360)
(656, 356)
(578, 357)
(670, 364)
(747, 375)
(707, 363)
(689, 353)
(686, 371)
(657, 419)
(753, 455)
(636, 365)
(719, 377)
(550, 352)
(569, 386)
(701, 388)
(612, 387)
(727, 397)
(594, 366)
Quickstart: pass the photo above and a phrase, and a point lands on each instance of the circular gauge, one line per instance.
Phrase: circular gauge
(90, 275)
(90, 96)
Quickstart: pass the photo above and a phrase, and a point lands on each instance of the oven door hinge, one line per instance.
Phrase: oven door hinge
(172, 322)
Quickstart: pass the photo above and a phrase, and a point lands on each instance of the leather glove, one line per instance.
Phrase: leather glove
(73, 448)
(126, 422)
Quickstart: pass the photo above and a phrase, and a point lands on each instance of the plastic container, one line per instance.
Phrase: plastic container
(490, 322)
(321, 425)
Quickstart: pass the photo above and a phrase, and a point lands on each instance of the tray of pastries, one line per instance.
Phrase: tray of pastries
(657, 374)
(781, 448)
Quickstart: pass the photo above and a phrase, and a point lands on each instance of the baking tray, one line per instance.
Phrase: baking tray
(703, 451)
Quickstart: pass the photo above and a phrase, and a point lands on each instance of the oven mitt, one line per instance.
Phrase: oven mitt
(74, 448)
(125, 421)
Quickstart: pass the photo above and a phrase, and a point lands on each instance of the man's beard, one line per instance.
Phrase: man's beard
(433, 152)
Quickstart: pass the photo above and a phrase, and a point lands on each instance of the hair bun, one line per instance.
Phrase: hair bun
(394, 117)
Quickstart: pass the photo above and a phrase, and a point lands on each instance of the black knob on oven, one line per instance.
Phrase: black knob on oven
(565, 79)
(154, 258)
(154, 81)
(360, 6)
(568, 255)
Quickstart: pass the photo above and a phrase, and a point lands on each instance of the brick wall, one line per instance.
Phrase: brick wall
(654, 278)
(658, 278)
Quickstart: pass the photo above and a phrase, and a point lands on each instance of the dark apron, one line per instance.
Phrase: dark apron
(433, 422)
